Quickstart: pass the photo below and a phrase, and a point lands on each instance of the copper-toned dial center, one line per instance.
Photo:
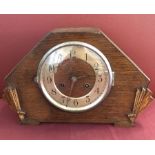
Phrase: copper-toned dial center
(74, 77)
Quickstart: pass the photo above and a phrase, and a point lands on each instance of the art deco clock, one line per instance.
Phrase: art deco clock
(77, 75)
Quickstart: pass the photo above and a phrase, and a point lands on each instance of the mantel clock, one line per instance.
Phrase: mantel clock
(77, 75)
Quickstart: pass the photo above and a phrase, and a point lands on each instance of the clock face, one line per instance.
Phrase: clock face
(74, 76)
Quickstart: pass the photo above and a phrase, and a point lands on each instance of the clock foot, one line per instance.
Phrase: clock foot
(30, 121)
(124, 123)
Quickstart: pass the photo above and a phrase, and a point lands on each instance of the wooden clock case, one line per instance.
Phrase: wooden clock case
(128, 96)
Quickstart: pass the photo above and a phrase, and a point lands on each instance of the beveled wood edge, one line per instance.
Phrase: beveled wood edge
(143, 98)
(77, 30)
(11, 95)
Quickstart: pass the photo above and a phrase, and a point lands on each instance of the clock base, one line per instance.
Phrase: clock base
(11, 95)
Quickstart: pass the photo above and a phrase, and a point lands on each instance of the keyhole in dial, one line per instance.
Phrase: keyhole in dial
(86, 85)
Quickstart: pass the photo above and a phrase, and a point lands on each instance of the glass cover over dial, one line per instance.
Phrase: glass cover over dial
(74, 76)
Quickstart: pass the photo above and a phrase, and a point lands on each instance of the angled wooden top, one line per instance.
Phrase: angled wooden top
(95, 31)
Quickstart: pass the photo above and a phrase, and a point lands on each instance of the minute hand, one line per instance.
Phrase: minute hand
(84, 76)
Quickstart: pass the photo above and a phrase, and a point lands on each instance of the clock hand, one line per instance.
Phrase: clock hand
(74, 79)
(84, 76)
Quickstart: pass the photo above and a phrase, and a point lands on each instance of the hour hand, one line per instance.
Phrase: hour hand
(73, 80)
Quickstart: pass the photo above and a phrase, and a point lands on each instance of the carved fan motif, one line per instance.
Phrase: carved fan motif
(12, 96)
(142, 100)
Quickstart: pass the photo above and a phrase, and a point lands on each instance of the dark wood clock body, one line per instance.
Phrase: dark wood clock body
(24, 95)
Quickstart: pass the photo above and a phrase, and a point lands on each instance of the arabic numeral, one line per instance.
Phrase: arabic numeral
(97, 91)
(67, 101)
(96, 66)
(60, 58)
(51, 68)
(87, 99)
(75, 102)
(72, 53)
(100, 78)
(63, 99)
(53, 92)
(49, 79)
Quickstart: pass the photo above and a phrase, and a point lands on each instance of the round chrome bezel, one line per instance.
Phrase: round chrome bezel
(76, 109)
